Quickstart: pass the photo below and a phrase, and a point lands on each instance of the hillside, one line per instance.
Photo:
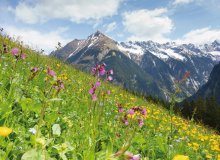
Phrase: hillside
(204, 105)
(50, 110)
(164, 63)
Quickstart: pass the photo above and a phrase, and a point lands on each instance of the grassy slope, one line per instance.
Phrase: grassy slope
(21, 109)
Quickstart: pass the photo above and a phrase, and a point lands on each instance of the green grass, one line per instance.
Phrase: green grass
(69, 125)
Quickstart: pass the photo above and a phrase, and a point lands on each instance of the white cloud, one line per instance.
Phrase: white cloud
(36, 39)
(111, 27)
(178, 2)
(200, 36)
(75, 10)
(148, 24)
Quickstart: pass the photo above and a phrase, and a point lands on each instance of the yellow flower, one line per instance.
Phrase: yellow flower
(208, 156)
(5, 131)
(181, 157)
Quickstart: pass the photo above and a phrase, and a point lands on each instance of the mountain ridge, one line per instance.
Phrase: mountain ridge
(164, 63)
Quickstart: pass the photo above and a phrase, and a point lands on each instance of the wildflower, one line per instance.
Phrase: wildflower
(125, 121)
(130, 156)
(181, 157)
(109, 78)
(120, 108)
(94, 98)
(92, 90)
(23, 56)
(32, 130)
(101, 69)
(141, 122)
(131, 112)
(34, 70)
(108, 92)
(144, 112)
(51, 72)
(98, 83)
(59, 85)
(5, 131)
(15, 51)
(111, 72)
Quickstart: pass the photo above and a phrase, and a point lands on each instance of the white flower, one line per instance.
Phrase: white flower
(32, 130)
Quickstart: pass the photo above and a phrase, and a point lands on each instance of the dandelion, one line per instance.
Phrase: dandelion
(5, 131)
(181, 157)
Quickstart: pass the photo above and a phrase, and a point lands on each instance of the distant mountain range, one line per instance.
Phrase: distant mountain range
(147, 67)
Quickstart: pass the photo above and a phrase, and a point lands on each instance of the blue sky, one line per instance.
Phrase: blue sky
(42, 23)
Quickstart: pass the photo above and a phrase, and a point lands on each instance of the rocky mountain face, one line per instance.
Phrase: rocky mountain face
(212, 87)
(147, 67)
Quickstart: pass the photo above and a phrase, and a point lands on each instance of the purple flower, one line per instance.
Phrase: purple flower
(51, 72)
(94, 98)
(131, 112)
(23, 56)
(15, 51)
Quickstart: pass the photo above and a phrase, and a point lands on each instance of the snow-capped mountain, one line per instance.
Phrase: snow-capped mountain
(147, 67)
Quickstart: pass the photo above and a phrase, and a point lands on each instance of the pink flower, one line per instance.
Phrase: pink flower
(120, 110)
(111, 72)
(94, 98)
(93, 71)
(34, 70)
(126, 122)
(130, 156)
(51, 72)
(15, 51)
(135, 157)
(141, 122)
(131, 112)
(108, 92)
(92, 90)
(144, 112)
(23, 56)
(98, 83)
(109, 78)
(101, 70)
